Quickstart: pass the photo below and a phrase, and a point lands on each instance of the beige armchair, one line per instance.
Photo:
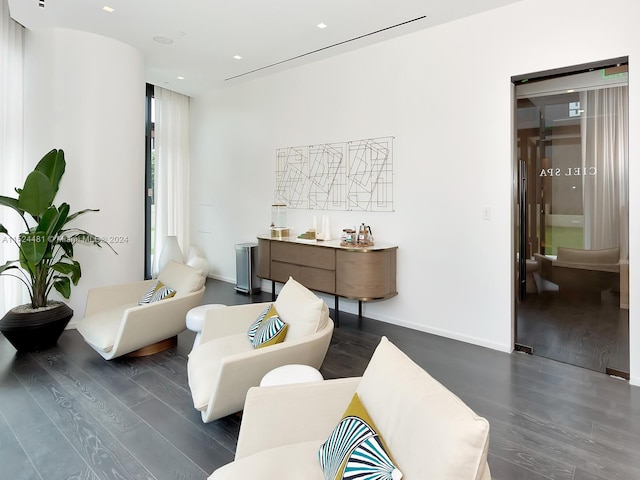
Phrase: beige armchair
(114, 324)
(576, 269)
(429, 432)
(223, 367)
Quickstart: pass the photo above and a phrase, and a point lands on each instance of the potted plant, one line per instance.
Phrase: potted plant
(46, 261)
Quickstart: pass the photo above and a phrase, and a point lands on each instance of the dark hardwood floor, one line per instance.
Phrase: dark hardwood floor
(589, 331)
(66, 413)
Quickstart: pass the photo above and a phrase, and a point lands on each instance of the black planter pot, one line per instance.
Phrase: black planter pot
(30, 330)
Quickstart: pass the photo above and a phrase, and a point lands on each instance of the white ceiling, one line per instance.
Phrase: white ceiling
(269, 35)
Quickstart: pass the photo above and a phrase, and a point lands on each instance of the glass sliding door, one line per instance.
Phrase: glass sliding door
(573, 247)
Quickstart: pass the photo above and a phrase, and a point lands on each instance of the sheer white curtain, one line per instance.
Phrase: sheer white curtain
(604, 146)
(12, 292)
(172, 160)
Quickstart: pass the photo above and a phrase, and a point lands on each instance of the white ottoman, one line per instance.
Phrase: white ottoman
(195, 319)
(291, 374)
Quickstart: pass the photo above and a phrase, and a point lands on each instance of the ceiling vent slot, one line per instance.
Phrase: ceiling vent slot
(327, 47)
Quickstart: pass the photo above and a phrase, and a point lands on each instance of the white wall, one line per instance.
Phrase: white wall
(85, 94)
(446, 96)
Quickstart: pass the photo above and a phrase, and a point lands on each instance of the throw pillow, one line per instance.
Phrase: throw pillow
(355, 449)
(267, 313)
(158, 291)
(301, 309)
(146, 298)
(271, 331)
(163, 293)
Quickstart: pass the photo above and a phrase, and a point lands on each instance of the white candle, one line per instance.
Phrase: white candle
(326, 228)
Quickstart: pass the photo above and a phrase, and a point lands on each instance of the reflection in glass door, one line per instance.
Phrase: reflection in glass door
(573, 248)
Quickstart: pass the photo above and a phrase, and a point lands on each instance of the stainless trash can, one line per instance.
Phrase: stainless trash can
(246, 259)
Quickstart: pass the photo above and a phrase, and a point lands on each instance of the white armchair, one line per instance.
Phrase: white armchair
(428, 431)
(223, 367)
(114, 324)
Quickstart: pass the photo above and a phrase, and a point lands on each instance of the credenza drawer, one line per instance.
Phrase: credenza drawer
(285, 252)
(318, 279)
(319, 257)
(280, 271)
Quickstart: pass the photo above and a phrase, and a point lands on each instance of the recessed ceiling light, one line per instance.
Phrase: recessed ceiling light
(180, 78)
(163, 40)
(237, 57)
(107, 8)
(321, 25)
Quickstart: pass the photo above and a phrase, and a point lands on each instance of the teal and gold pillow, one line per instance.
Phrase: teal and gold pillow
(162, 293)
(271, 331)
(355, 449)
(158, 291)
(146, 298)
(267, 313)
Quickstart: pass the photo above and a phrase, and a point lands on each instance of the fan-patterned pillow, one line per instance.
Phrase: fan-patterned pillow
(267, 313)
(271, 331)
(146, 298)
(163, 293)
(355, 450)
(158, 291)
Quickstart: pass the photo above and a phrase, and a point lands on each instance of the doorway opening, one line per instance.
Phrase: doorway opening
(572, 224)
(149, 182)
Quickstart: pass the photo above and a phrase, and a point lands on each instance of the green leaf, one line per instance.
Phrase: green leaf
(81, 212)
(71, 270)
(8, 266)
(33, 245)
(52, 165)
(63, 212)
(3, 230)
(48, 221)
(77, 235)
(24, 264)
(67, 247)
(12, 203)
(63, 285)
(37, 194)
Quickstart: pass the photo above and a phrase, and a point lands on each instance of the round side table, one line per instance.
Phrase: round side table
(195, 319)
(293, 373)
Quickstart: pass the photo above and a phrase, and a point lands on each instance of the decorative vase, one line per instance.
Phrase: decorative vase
(29, 330)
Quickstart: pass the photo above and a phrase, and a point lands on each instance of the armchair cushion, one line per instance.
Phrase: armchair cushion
(400, 395)
(206, 362)
(101, 328)
(297, 461)
(182, 278)
(298, 306)
(356, 449)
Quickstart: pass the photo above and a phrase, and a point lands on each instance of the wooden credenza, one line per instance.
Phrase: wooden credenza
(362, 274)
